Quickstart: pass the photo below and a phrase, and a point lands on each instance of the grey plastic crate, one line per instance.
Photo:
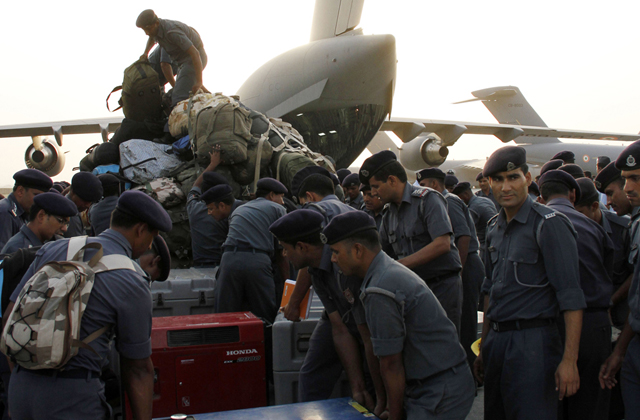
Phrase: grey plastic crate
(286, 387)
(186, 292)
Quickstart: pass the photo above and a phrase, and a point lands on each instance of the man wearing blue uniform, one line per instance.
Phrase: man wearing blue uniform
(100, 213)
(85, 190)
(532, 275)
(164, 65)
(596, 253)
(416, 229)
(121, 298)
(14, 210)
(485, 190)
(566, 156)
(246, 275)
(481, 208)
(180, 43)
(421, 360)
(373, 206)
(49, 214)
(353, 195)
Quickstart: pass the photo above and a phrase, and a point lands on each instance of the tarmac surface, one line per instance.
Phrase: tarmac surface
(477, 410)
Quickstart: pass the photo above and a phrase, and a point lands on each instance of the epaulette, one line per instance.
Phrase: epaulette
(544, 211)
(421, 192)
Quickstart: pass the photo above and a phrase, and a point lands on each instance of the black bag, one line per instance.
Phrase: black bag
(100, 154)
(141, 93)
(14, 266)
(141, 130)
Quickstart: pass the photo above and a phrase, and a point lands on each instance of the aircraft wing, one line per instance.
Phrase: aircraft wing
(102, 126)
(450, 131)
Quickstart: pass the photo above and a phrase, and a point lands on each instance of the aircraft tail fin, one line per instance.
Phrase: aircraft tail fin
(509, 106)
(335, 17)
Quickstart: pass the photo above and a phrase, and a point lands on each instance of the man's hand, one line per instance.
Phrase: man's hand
(291, 312)
(478, 369)
(567, 379)
(143, 57)
(608, 370)
(364, 399)
(214, 158)
(381, 411)
(198, 86)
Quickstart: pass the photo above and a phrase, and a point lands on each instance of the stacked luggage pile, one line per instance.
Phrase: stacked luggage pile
(166, 165)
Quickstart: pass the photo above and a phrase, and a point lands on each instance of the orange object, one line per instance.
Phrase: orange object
(305, 305)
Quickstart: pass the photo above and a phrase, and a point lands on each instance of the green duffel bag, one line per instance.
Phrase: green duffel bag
(286, 164)
(141, 94)
(226, 172)
(244, 173)
(227, 125)
(179, 237)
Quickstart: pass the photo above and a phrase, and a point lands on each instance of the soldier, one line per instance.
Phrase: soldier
(119, 297)
(335, 343)
(602, 163)
(466, 240)
(373, 206)
(85, 190)
(485, 190)
(416, 229)
(572, 169)
(49, 214)
(14, 210)
(450, 181)
(566, 156)
(100, 213)
(532, 276)
(351, 187)
(156, 261)
(421, 360)
(596, 253)
(534, 191)
(342, 174)
(220, 202)
(245, 273)
(481, 206)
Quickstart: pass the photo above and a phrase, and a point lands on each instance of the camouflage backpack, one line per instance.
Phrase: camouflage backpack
(43, 329)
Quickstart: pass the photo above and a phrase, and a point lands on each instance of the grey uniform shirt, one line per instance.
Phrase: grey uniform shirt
(75, 228)
(634, 236)
(617, 227)
(491, 197)
(100, 214)
(176, 38)
(23, 239)
(12, 218)
(249, 225)
(531, 265)
(485, 210)
(461, 220)
(376, 217)
(415, 223)
(120, 297)
(404, 316)
(357, 203)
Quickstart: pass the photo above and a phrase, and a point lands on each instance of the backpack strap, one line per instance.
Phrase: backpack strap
(114, 262)
(88, 339)
(115, 89)
(75, 245)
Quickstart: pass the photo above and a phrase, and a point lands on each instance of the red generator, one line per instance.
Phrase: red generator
(207, 363)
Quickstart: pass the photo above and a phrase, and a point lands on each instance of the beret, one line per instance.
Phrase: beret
(629, 159)
(346, 225)
(110, 184)
(217, 193)
(297, 225)
(588, 192)
(563, 178)
(342, 174)
(87, 186)
(551, 165)
(534, 189)
(33, 178)
(461, 187)
(56, 204)
(145, 209)
(430, 173)
(211, 179)
(53, 190)
(146, 18)
(606, 176)
(479, 176)
(603, 161)
(450, 180)
(565, 155)
(57, 187)
(351, 180)
(335, 179)
(303, 173)
(365, 187)
(374, 163)
(160, 247)
(573, 170)
(505, 159)
(271, 184)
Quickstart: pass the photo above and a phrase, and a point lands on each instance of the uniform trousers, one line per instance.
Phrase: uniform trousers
(447, 395)
(185, 79)
(33, 397)
(245, 280)
(448, 291)
(472, 276)
(519, 373)
(631, 380)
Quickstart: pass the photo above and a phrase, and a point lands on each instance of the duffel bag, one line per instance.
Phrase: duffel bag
(179, 238)
(165, 191)
(226, 172)
(187, 178)
(285, 164)
(180, 114)
(141, 130)
(182, 149)
(100, 154)
(142, 161)
(141, 94)
(245, 173)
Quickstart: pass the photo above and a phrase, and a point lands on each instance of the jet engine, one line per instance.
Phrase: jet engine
(425, 149)
(44, 155)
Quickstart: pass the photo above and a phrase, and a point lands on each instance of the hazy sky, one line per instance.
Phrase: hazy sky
(575, 61)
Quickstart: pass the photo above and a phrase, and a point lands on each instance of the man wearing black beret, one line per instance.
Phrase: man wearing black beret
(100, 213)
(342, 174)
(466, 240)
(245, 274)
(532, 275)
(373, 206)
(334, 345)
(156, 261)
(303, 173)
(559, 190)
(14, 210)
(450, 181)
(572, 169)
(416, 345)
(609, 182)
(120, 298)
(602, 162)
(85, 190)
(416, 229)
(351, 187)
(566, 156)
(485, 190)
(221, 203)
(48, 215)
(182, 44)
(481, 208)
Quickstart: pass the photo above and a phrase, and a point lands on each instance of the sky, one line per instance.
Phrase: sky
(576, 62)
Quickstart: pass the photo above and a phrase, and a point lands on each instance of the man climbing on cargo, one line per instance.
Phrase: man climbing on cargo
(183, 45)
